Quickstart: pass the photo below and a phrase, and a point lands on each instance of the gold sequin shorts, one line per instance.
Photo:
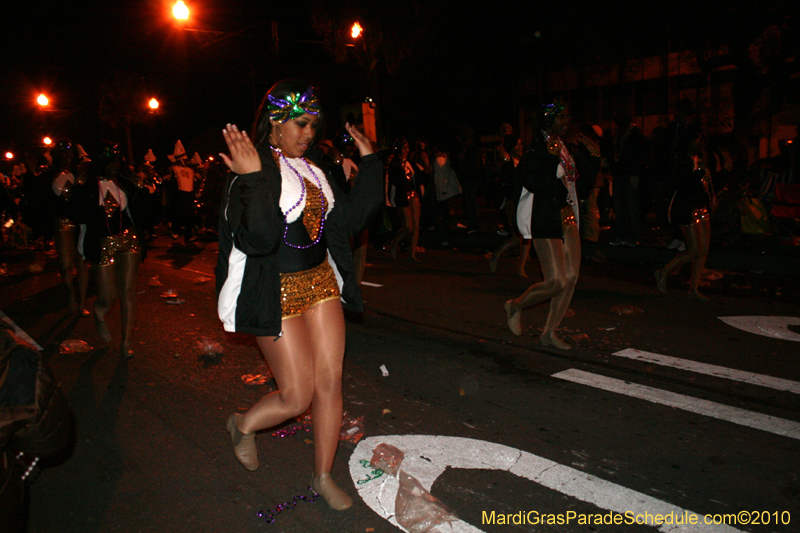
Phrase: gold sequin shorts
(64, 224)
(567, 216)
(301, 290)
(699, 214)
(114, 245)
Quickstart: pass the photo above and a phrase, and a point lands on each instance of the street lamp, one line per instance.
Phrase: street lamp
(47, 141)
(356, 30)
(180, 11)
(9, 155)
(153, 104)
(42, 100)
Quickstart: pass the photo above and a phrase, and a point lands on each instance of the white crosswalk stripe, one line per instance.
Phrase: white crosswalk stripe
(772, 424)
(712, 370)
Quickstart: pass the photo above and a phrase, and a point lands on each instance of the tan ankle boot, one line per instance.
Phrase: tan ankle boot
(244, 445)
(337, 499)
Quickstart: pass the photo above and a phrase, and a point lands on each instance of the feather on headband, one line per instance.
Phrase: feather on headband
(293, 106)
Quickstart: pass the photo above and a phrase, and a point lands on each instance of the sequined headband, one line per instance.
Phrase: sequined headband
(293, 106)
(551, 110)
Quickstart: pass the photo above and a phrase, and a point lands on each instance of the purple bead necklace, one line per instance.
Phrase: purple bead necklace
(300, 200)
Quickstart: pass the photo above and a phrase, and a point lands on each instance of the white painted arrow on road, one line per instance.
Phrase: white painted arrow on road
(427, 457)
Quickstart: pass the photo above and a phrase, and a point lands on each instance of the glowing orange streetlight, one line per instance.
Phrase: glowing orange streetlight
(153, 103)
(356, 30)
(48, 141)
(42, 100)
(9, 155)
(180, 11)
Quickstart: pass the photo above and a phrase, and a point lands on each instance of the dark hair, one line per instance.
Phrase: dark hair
(60, 154)
(399, 143)
(263, 127)
(108, 153)
(343, 140)
(510, 142)
(548, 111)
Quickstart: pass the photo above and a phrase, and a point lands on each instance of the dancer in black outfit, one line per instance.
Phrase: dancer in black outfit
(549, 171)
(285, 269)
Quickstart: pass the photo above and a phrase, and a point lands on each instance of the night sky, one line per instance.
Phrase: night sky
(436, 68)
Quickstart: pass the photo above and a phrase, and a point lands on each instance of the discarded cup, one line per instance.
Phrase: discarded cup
(174, 301)
(209, 346)
(154, 282)
(623, 309)
(352, 428)
(171, 293)
(387, 458)
(71, 346)
(416, 509)
(384, 371)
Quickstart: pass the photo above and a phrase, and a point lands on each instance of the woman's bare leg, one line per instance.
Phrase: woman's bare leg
(416, 212)
(290, 359)
(690, 254)
(127, 266)
(560, 303)
(404, 232)
(67, 253)
(326, 333)
(307, 364)
(524, 253)
(83, 282)
(701, 234)
(510, 242)
(105, 278)
(551, 257)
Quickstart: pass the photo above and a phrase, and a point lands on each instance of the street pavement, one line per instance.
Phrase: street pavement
(661, 407)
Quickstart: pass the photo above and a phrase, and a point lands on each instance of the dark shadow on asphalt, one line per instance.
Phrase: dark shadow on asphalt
(28, 312)
(99, 420)
(179, 255)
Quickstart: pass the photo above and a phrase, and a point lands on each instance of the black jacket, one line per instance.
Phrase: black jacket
(251, 228)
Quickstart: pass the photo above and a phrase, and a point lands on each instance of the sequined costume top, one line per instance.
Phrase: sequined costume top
(101, 218)
(402, 177)
(692, 192)
(539, 174)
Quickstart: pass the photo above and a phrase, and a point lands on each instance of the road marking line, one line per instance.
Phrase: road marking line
(712, 370)
(428, 456)
(743, 417)
(18, 331)
(776, 327)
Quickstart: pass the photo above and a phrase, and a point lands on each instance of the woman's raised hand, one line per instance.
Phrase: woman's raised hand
(244, 158)
(364, 144)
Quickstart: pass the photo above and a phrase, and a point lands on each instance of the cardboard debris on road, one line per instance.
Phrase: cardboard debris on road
(71, 346)
(624, 309)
